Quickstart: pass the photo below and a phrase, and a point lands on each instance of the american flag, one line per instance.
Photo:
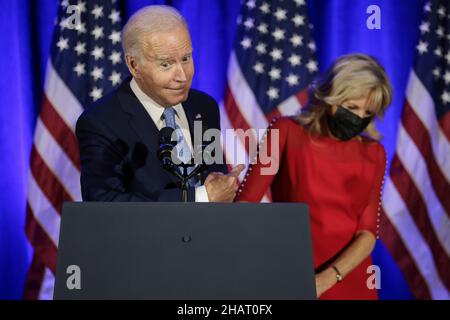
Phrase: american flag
(269, 69)
(85, 63)
(416, 202)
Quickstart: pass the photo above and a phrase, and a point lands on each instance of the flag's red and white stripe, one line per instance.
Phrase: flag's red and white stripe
(416, 198)
(54, 178)
(240, 110)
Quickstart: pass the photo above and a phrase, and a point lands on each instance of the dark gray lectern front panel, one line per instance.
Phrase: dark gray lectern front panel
(185, 251)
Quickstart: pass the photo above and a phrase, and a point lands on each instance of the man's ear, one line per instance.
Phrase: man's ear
(132, 65)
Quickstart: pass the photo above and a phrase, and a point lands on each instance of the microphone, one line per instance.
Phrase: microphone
(165, 147)
(165, 151)
(203, 154)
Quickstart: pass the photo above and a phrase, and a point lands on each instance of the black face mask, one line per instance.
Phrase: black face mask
(345, 125)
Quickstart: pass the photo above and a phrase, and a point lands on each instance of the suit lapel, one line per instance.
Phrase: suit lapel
(190, 119)
(141, 123)
(193, 115)
(139, 120)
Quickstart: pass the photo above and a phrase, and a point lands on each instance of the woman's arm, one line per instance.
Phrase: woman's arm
(260, 175)
(365, 237)
(358, 250)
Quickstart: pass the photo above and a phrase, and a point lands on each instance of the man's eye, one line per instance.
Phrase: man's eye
(186, 59)
(165, 65)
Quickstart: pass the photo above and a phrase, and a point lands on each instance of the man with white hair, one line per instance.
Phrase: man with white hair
(118, 135)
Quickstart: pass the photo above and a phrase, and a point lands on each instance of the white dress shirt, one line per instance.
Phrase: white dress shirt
(155, 112)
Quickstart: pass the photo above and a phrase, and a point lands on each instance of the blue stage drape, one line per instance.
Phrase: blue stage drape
(26, 28)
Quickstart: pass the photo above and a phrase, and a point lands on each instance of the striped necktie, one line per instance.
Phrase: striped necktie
(183, 151)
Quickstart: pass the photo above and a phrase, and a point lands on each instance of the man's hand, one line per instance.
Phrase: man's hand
(222, 187)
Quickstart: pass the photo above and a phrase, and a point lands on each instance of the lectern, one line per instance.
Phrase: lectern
(184, 251)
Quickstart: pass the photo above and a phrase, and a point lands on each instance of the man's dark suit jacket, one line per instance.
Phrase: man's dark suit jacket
(118, 143)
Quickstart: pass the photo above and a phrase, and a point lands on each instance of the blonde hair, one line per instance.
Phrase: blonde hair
(350, 77)
(147, 21)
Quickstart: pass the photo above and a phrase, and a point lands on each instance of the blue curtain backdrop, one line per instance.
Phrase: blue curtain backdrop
(26, 28)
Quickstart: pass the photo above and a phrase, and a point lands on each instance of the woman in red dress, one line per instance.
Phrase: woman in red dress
(322, 159)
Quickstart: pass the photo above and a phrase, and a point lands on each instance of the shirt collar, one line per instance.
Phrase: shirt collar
(154, 109)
